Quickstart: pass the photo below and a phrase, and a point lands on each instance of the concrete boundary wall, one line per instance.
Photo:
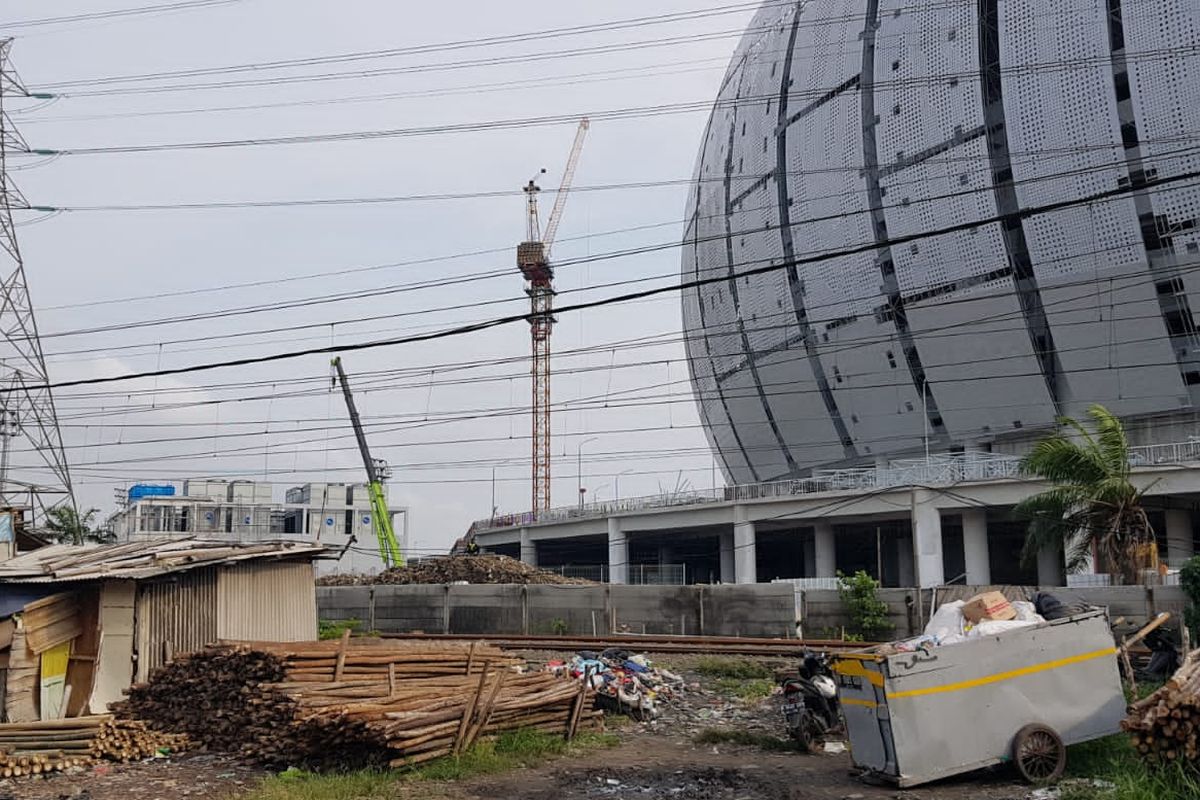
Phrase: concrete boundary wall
(763, 610)
(766, 610)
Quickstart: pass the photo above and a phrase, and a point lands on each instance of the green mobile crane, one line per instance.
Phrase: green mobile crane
(377, 472)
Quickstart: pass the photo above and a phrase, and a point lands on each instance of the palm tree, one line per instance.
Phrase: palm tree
(1093, 509)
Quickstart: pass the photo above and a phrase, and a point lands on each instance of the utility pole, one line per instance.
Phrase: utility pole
(26, 401)
(533, 259)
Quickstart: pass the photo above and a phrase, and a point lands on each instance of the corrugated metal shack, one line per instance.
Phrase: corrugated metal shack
(79, 624)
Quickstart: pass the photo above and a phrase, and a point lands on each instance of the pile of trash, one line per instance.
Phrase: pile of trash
(624, 683)
(488, 569)
(983, 615)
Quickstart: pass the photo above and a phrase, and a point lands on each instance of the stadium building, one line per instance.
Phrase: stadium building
(918, 234)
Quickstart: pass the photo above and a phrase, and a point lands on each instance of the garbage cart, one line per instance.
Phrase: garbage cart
(1020, 696)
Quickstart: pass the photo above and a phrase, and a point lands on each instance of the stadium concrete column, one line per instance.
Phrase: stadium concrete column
(745, 547)
(618, 552)
(905, 574)
(975, 547)
(825, 549)
(1179, 536)
(725, 542)
(1051, 567)
(927, 538)
(810, 557)
(528, 549)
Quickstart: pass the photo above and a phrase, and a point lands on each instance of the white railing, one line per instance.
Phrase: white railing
(936, 470)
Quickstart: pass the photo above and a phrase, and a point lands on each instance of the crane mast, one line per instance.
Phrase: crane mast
(377, 471)
(533, 259)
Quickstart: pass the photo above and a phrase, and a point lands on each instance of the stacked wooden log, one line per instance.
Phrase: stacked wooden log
(355, 703)
(216, 696)
(1165, 725)
(133, 740)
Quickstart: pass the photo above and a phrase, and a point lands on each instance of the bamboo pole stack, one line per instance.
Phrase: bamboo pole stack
(133, 740)
(355, 703)
(34, 748)
(1165, 725)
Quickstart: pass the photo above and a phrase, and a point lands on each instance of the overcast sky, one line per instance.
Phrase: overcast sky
(133, 267)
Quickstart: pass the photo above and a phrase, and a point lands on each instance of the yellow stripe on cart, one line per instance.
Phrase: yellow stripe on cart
(1004, 676)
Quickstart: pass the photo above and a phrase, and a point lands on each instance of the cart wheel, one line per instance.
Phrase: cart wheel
(1039, 754)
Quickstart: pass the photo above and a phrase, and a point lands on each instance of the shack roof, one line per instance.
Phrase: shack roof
(146, 558)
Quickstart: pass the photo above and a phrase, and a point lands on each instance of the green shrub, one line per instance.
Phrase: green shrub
(868, 614)
(334, 628)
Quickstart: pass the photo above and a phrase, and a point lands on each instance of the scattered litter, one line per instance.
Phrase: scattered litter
(834, 748)
(624, 683)
(1071, 787)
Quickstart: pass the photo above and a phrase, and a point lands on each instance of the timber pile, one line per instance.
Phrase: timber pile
(1165, 725)
(133, 740)
(486, 569)
(32, 748)
(355, 703)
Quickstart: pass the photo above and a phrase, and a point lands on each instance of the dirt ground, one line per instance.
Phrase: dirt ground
(649, 767)
(646, 766)
(653, 760)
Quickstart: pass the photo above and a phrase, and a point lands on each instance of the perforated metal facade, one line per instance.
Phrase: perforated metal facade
(847, 125)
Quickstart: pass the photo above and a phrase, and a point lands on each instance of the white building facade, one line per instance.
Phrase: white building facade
(337, 515)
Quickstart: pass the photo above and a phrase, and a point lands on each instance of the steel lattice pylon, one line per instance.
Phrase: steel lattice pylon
(27, 413)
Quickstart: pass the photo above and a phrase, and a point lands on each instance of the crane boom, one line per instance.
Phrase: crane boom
(564, 188)
(381, 518)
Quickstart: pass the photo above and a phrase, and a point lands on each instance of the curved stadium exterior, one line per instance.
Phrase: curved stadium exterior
(868, 126)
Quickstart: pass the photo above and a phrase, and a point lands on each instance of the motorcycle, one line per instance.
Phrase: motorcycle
(810, 703)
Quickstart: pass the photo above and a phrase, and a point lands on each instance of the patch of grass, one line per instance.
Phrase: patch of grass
(713, 667)
(299, 785)
(507, 751)
(745, 688)
(1112, 759)
(745, 738)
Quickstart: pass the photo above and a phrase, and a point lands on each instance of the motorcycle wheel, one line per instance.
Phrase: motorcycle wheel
(803, 734)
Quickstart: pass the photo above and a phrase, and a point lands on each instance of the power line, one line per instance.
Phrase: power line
(181, 5)
(635, 112)
(506, 272)
(421, 49)
(1023, 213)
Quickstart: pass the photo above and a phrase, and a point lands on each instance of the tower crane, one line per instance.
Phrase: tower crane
(533, 259)
(377, 472)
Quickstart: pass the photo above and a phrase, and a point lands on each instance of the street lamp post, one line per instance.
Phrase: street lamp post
(617, 483)
(579, 466)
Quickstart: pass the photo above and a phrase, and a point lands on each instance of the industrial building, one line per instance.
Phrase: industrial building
(918, 247)
(337, 515)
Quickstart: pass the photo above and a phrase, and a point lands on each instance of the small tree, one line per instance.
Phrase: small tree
(72, 527)
(1093, 507)
(868, 614)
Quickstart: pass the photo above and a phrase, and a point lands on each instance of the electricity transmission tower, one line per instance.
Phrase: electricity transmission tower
(26, 404)
(533, 259)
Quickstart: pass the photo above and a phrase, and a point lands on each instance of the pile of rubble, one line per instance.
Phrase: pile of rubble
(457, 569)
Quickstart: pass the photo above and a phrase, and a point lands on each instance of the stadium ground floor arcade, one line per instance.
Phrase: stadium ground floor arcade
(906, 536)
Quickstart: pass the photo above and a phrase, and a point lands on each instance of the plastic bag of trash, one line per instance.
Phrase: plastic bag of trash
(1026, 611)
(991, 627)
(947, 624)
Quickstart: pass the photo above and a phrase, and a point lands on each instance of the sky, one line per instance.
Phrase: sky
(120, 290)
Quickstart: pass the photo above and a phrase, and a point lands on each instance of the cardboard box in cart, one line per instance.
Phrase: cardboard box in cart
(919, 716)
